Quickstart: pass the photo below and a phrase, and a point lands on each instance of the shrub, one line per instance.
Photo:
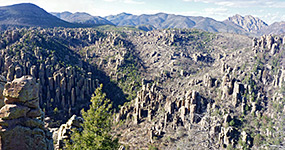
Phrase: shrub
(232, 123)
(96, 127)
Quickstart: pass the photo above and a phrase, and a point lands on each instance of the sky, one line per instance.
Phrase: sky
(268, 10)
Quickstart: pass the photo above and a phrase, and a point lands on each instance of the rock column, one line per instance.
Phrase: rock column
(21, 125)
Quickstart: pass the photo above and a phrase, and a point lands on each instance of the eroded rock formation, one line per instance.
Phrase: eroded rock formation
(64, 132)
(2, 84)
(21, 124)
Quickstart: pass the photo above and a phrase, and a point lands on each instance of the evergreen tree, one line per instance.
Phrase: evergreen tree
(96, 127)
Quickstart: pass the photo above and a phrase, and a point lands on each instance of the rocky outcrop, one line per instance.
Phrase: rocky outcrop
(208, 81)
(63, 133)
(238, 91)
(146, 104)
(267, 43)
(202, 57)
(228, 136)
(188, 96)
(64, 80)
(279, 78)
(227, 86)
(3, 81)
(247, 139)
(21, 121)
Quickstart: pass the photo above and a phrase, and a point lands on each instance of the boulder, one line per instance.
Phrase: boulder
(19, 126)
(74, 121)
(12, 111)
(24, 138)
(21, 90)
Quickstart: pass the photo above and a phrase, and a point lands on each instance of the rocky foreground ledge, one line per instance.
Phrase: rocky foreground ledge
(21, 118)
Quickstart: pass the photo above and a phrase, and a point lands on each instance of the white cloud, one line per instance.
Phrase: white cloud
(133, 2)
(273, 17)
(268, 10)
(244, 3)
(127, 1)
(110, 0)
(219, 13)
(216, 11)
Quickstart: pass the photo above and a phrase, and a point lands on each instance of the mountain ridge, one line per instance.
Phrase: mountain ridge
(163, 20)
(247, 25)
(248, 22)
(28, 14)
(82, 18)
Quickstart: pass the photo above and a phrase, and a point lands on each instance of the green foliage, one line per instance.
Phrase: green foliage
(243, 144)
(258, 65)
(217, 112)
(232, 123)
(230, 147)
(55, 111)
(258, 140)
(275, 61)
(115, 28)
(131, 82)
(283, 87)
(246, 107)
(96, 127)
(152, 147)
(243, 67)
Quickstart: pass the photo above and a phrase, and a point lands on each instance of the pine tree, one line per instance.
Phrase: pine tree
(96, 127)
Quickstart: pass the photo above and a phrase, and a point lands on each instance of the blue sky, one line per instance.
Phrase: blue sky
(267, 10)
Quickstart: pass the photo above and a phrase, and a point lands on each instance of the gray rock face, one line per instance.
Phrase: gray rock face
(267, 43)
(237, 93)
(3, 81)
(279, 79)
(208, 81)
(65, 131)
(145, 106)
(249, 23)
(20, 125)
(227, 136)
(227, 86)
(59, 86)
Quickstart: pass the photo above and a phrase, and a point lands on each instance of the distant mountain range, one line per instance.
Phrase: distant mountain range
(27, 14)
(162, 21)
(30, 15)
(275, 28)
(235, 24)
(82, 18)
